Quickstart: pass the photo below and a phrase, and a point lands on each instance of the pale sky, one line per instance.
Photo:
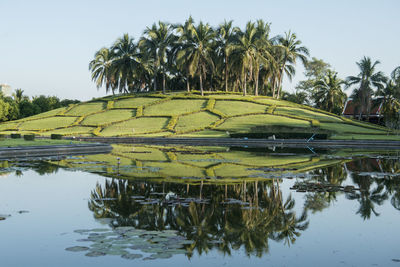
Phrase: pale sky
(46, 46)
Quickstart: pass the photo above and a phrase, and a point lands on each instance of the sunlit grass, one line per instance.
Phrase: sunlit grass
(86, 108)
(232, 108)
(47, 123)
(136, 126)
(175, 107)
(195, 121)
(109, 117)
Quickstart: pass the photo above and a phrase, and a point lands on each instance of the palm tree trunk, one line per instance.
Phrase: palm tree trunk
(245, 85)
(256, 89)
(280, 82)
(273, 86)
(155, 81)
(163, 85)
(226, 73)
(187, 84)
(201, 84)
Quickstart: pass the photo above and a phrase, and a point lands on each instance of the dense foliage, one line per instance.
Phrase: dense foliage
(189, 56)
(20, 106)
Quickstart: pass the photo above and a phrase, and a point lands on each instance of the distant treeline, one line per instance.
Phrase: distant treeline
(20, 106)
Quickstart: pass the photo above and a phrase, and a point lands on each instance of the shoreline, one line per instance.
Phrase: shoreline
(25, 152)
(377, 144)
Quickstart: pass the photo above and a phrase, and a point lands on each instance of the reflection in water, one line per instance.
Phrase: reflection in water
(224, 217)
(172, 200)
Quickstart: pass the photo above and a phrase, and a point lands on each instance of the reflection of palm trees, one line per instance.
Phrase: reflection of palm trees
(335, 175)
(288, 224)
(225, 217)
(369, 195)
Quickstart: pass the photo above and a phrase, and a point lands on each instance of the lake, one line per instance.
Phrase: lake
(148, 205)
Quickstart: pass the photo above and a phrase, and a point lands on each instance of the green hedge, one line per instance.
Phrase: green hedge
(56, 136)
(15, 135)
(29, 137)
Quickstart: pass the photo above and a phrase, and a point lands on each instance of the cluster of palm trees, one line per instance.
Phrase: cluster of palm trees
(197, 56)
(370, 82)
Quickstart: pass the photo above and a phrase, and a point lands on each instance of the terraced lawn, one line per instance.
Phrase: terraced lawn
(86, 108)
(109, 117)
(46, 114)
(175, 107)
(348, 128)
(195, 121)
(136, 126)
(306, 114)
(8, 126)
(246, 123)
(72, 130)
(149, 115)
(135, 102)
(47, 123)
(233, 108)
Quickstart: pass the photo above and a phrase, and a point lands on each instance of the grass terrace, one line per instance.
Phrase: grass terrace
(192, 115)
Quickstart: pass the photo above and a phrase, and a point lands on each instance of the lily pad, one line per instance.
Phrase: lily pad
(131, 256)
(95, 254)
(77, 248)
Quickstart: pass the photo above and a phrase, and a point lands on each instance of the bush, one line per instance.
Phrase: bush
(29, 137)
(15, 135)
(2, 136)
(56, 136)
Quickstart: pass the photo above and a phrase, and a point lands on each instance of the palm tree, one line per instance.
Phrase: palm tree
(126, 63)
(197, 51)
(183, 63)
(329, 94)
(225, 35)
(18, 95)
(156, 45)
(289, 51)
(367, 80)
(100, 67)
(246, 53)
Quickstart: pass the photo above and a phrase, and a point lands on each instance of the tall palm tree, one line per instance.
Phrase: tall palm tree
(366, 80)
(156, 44)
(126, 63)
(197, 51)
(100, 67)
(185, 34)
(329, 94)
(225, 35)
(290, 50)
(246, 53)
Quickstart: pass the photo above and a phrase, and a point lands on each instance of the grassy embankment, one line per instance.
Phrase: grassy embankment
(190, 115)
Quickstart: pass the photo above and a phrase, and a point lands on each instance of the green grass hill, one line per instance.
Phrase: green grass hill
(191, 115)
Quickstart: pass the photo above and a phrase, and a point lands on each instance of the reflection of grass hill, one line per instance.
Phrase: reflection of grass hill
(195, 164)
(180, 114)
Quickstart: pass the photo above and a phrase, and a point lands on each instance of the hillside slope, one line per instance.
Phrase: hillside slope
(180, 114)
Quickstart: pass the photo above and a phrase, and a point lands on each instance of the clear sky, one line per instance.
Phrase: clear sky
(46, 46)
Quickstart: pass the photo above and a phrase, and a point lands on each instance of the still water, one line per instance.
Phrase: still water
(197, 206)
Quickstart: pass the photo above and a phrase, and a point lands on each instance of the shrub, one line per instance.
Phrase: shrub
(29, 137)
(56, 136)
(15, 135)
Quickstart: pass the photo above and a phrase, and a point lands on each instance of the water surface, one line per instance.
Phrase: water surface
(196, 206)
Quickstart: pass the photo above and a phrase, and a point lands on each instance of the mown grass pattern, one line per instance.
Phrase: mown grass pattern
(189, 115)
